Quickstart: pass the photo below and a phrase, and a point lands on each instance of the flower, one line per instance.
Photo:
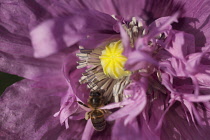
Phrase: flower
(150, 61)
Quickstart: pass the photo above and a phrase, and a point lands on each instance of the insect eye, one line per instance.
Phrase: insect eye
(95, 93)
(98, 94)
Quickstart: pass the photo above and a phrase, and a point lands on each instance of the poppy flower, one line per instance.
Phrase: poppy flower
(149, 58)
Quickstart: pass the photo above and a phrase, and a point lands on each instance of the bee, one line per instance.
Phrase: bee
(95, 101)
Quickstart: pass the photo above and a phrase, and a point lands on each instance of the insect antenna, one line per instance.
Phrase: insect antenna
(81, 103)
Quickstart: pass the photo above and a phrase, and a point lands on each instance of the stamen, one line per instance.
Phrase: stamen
(94, 75)
(134, 29)
(119, 87)
(105, 64)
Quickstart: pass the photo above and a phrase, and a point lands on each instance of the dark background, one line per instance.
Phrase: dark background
(7, 80)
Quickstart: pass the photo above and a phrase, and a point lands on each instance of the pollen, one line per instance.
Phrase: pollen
(113, 61)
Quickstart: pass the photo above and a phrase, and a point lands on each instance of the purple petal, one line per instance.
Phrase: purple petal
(125, 40)
(196, 20)
(16, 20)
(30, 116)
(72, 75)
(88, 131)
(117, 7)
(194, 98)
(155, 9)
(203, 78)
(19, 17)
(32, 68)
(182, 45)
(125, 132)
(68, 109)
(139, 60)
(57, 34)
(14, 43)
(161, 25)
(177, 127)
(47, 38)
(146, 131)
(133, 109)
(117, 105)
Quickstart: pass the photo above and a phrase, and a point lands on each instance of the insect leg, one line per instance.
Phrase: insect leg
(87, 115)
(81, 103)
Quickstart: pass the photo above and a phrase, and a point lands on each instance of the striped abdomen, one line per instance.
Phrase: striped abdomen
(97, 118)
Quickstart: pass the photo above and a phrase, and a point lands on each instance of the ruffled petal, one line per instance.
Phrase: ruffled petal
(30, 116)
(139, 60)
(137, 90)
(176, 126)
(72, 75)
(181, 45)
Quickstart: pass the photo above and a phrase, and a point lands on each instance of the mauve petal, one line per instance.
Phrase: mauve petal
(30, 116)
(57, 34)
(160, 22)
(130, 111)
(54, 7)
(117, 7)
(203, 78)
(72, 75)
(194, 98)
(117, 105)
(125, 40)
(70, 107)
(78, 116)
(155, 9)
(19, 16)
(196, 20)
(88, 131)
(140, 105)
(161, 25)
(28, 67)
(176, 126)
(97, 40)
(14, 43)
(146, 132)
(174, 67)
(204, 112)
(139, 60)
(182, 44)
(152, 114)
(124, 132)
(166, 81)
(53, 36)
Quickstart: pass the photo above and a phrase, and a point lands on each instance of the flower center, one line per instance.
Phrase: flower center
(113, 61)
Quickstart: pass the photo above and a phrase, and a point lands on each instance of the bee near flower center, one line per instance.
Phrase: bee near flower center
(105, 70)
(113, 61)
(105, 64)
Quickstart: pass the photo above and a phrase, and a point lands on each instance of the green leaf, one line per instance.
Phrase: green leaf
(7, 80)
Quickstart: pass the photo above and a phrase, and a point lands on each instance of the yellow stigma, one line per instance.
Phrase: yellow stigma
(113, 61)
